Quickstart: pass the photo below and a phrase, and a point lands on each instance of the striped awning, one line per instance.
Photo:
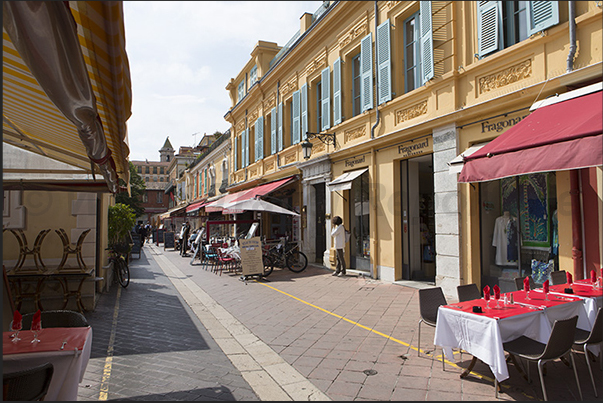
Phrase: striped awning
(66, 84)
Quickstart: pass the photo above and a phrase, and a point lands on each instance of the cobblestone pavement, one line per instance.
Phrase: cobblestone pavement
(180, 332)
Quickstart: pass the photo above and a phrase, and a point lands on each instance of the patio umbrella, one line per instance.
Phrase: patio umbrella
(256, 205)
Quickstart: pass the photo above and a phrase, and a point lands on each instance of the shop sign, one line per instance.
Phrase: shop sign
(355, 161)
(414, 147)
(503, 124)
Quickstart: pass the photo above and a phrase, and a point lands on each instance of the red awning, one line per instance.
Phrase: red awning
(562, 136)
(195, 206)
(261, 190)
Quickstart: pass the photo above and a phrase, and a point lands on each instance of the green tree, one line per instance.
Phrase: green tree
(121, 222)
(137, 190)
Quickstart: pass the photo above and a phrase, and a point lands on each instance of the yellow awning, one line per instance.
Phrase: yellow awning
(32, 117)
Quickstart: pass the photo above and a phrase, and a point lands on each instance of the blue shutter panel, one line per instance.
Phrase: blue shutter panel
(326, 98)
(304, 111)
(542, 15)
(366, 73)
(236, 156)
(426, 42)
(244, 145)
(259, 138)
(384, 63)
(279, 139)
(296, 123)
(273, 131)
(337, 118)
(488, 26)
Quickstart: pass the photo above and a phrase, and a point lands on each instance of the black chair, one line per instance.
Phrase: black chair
(467, 292)
(430, 299)
(559, 345)
(519, 283)
(57, 318)
(558, 277)
(585, 339)
(29, 384)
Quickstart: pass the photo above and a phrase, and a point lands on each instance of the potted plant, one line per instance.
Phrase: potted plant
(121, 222)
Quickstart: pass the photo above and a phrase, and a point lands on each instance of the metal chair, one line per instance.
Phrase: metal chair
(558, 277)
(559, 345)
(467, 292)
(430, 300)
(57, 318)
(519, 283)
(29, 384)
(595, 336)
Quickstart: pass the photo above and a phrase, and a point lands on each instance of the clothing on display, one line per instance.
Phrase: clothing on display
(505, 238)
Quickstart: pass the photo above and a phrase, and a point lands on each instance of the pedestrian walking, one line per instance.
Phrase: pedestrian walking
(186, 228)
(339, 235)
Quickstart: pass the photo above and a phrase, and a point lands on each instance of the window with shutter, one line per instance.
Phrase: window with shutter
(326, 99)
(295, 124)
(366, 68)
(337, 117)
(542, 15)
(488, 20)
(273, 131)
(384, 87)
(259, 138)
(245, 148)
(304, 111)
(253, 75)
(236, 153)
(279, 137)
(356, 85)
(426, 42)
(241, 90)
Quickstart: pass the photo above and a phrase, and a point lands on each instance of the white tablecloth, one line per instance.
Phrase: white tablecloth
(69, 368)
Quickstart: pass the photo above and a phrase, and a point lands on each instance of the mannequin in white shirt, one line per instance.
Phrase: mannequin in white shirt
(499, 239)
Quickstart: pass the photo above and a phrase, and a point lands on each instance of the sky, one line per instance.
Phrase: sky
(182, 55)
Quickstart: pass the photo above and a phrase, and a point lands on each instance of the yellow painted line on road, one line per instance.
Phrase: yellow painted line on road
(104, 386)
(484, 377)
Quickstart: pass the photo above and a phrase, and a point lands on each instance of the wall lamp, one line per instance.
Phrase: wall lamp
(327, 138)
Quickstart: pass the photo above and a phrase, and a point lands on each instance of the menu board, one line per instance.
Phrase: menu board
(168, 240)
(251, 256)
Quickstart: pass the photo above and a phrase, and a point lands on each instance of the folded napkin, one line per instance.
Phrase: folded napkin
(545, 286)
(36, 321)
(569, 277)
(526, 284)
(487, 292)
(593, 276)
(17, 320)
(496, 291)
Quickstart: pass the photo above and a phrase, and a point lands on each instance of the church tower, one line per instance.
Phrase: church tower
(167, 151)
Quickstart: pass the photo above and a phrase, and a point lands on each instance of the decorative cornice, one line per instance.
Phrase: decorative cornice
(241, 126)
(505, 77)
(411, 112)
(253, 173)
(355, 133)
(289, 86)
(252, 117)
(290, 158)
(392, 4)
(318, 63)
(319, 147)
(358, 30)
(270, 102)
(269, 166)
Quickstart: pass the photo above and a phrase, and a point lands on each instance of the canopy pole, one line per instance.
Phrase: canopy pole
(576, 224)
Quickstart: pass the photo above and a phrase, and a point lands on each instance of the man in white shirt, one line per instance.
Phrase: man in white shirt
(338, 234)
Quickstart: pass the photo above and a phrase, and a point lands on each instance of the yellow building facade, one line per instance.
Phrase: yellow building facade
(389, 93)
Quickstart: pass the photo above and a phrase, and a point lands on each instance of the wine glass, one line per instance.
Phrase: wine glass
(487, 298)
(16, 328)
(36, 328)
(497, 298)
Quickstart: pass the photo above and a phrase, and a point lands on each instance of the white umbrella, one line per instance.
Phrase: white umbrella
(255, 205)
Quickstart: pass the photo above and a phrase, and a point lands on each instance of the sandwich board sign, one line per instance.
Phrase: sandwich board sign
(251, 256)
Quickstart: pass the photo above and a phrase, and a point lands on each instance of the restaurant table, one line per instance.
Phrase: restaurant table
(69, 361)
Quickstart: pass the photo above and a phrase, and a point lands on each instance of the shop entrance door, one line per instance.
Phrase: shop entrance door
(320, 229)
(359, 224)
(418, 219)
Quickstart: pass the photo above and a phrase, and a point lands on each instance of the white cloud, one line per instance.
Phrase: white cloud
(183, 54)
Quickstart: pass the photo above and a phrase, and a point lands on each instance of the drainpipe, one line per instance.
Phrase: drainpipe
(278, 157)
(376, 75)
(572, 35)
(575, 174)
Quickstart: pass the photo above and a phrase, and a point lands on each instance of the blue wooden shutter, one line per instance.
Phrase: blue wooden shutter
(337, 118)
(384, 87)
(236, 155)
(542, 15)
(304, 111)
(259, 138)
(243, 148)
(326, 98)
(273, 131)
(366, 73)
(489, 17)
(295, 116)
(426, 42)
(279, 139)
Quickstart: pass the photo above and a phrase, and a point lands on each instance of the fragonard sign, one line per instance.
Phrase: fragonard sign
(415, 147)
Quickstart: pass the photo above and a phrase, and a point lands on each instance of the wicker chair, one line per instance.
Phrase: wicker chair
(430, 299)
(28, 384)
(467, 292)
(519, 283)
(558, 277)
(58, 318)
(585, 339)
(559, 345)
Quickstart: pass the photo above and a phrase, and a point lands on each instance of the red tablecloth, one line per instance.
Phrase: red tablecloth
(51, 339)
(537, 298)
(503, 311)
(585, 290)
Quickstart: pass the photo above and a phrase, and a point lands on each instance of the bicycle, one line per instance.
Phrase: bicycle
(284, 254)
(121, 270)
